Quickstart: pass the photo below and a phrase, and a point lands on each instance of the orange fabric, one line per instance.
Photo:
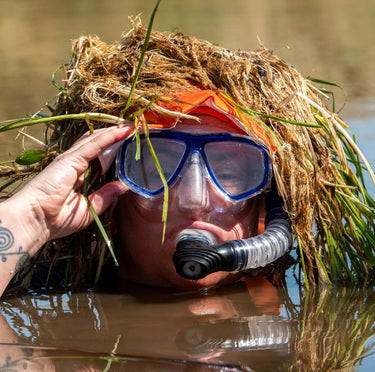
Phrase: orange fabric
(261, 225)
(206, 102)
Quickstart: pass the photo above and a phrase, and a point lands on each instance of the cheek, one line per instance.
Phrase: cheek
(149, 211)
(141, 249)
(249, 221)
(136, 232)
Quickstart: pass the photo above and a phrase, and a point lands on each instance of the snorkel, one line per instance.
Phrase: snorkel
(198, 254)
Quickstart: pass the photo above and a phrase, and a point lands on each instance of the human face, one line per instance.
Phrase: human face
(144, 257)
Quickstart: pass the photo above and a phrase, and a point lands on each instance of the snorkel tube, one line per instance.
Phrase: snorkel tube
(198, 254)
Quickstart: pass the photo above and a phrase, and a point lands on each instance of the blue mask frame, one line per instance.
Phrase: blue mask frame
(195, 143)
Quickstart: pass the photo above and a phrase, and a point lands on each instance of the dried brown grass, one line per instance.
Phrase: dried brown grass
(99, 76)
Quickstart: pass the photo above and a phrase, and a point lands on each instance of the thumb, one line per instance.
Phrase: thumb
(101, 199)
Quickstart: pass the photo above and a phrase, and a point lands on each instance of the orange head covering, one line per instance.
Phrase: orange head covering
(198, 102)
(210, 103)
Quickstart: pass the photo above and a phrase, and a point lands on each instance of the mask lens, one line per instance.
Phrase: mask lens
(143, 173)
(238, 168)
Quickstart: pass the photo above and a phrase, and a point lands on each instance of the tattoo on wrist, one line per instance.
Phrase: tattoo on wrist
(6, 244)
(10, 365)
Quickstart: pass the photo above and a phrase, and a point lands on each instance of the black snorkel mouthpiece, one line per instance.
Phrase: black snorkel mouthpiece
(197, 254)
(195, 258)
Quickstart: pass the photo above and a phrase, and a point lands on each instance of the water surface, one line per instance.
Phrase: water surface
(257, 327)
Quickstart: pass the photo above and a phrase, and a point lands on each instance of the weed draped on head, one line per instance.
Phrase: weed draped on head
(317, 165)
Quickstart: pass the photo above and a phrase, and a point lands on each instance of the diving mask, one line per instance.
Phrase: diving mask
(237, 166)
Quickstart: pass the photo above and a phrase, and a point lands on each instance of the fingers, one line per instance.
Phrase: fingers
(106, 195)
(92, 146)
(64, 174)
(87, 137)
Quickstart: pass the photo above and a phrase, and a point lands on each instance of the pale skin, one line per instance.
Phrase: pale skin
(52, 206)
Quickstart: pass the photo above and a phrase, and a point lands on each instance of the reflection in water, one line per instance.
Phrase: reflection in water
(336, 327)
(236, 335)
(147, 329)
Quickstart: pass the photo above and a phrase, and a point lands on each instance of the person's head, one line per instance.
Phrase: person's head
(270, 98)
(217, 172)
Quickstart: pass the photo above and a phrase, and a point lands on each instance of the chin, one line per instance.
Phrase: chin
(167, 277)
(212, 280)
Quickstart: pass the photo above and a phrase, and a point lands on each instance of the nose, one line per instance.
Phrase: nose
(192, 189)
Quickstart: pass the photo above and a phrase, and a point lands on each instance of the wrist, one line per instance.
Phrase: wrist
(20, 237)
(24, 222)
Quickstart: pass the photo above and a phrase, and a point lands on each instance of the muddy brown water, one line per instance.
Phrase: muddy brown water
(229, 329)
(232, 328)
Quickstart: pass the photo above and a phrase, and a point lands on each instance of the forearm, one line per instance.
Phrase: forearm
(21, 236)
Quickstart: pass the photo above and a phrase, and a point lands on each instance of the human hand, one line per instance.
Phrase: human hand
(54, 196)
